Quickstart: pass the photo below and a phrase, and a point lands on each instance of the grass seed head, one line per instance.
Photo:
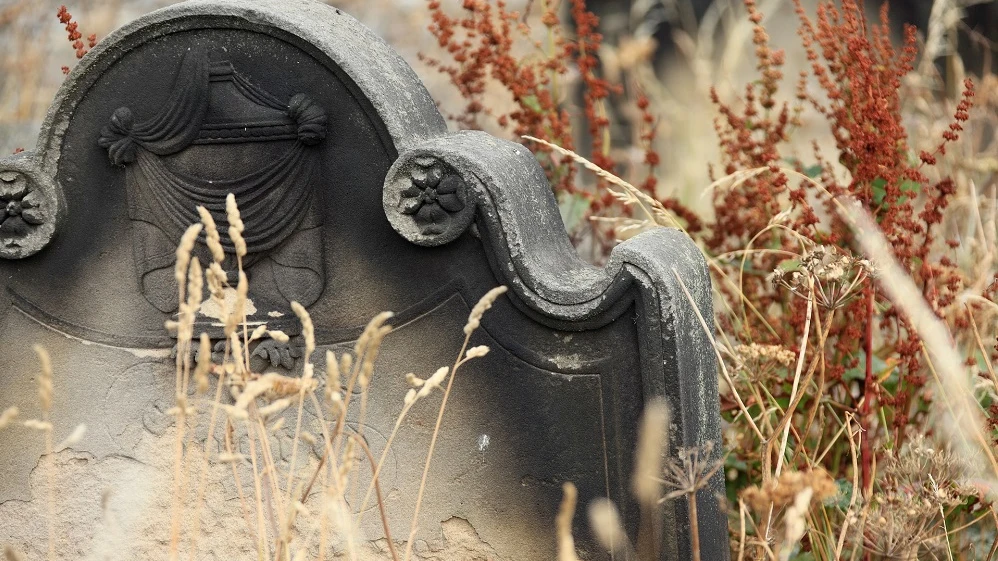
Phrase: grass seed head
(606, 524)
(563, 523)
(275, 407)
(307, 328)
(477, 352)
(9, 554)
(475, 317)
(212, 238)
(279, 336)
(652, 440)
(204, 364)
(216, 279)
(235, 225)
(44, 379)
(184, 250)
(7, 416)
(74, 437)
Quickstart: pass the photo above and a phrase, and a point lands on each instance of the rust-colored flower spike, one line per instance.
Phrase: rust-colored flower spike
(74, 35)
(584, 50)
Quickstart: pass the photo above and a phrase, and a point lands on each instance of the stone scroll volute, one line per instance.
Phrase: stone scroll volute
(360, 200)
(30, 206)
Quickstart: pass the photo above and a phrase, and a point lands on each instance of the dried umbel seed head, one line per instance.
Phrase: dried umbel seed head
(757, 362)
(690, 471)
(783, 491)
(834, 276)
(755, 353)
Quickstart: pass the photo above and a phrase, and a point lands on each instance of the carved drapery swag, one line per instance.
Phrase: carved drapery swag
(212, 104)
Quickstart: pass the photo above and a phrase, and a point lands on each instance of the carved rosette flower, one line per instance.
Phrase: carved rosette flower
(29, 206)
(429, 198)
(435, 193)
(20, 205)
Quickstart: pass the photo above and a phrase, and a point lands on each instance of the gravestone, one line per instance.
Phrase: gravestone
(356, 199)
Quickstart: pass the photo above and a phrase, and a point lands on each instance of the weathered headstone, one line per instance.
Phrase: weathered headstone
(356, 199)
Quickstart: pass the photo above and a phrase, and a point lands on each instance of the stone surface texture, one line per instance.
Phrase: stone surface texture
(399, 214)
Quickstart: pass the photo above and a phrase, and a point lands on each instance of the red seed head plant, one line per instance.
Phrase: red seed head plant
(861, 74)
(481, 46)
(873, 360)
(75, 36)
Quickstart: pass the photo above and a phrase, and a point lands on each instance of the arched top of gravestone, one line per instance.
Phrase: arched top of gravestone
(439, 183)
(300, 112)
(379, 73)
(356, 199)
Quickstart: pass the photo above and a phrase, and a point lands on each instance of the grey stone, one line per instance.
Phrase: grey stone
(360, 200)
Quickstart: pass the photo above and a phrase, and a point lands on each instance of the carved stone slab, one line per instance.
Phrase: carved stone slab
(356, 199)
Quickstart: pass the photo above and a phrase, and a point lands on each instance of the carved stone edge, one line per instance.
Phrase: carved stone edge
(46, 201)
(399, 99)
(520, 224)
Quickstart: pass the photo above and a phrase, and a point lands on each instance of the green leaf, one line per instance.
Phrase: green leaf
(843, 497)
(813, 171)
(789, 265)
(531, 102)
(909, 186)
(573, 209)
(859, 373)
(733, 462)
(879, 187)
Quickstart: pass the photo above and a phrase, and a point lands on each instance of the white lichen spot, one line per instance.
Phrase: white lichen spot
(210, 308)
(483, 445)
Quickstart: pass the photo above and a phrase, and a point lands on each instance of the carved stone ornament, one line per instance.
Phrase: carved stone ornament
(171, 169)
(356, 199)
(29, 207)
(428, 199)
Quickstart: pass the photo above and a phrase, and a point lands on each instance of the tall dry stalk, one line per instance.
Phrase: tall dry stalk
(474, 320)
